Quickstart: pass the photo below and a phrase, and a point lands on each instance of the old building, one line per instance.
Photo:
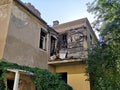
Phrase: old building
(24, 31)
(69, 51)
(26, 39)
(23, 40)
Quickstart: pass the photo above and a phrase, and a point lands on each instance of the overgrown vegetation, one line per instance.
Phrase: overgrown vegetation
(104, 67)
(43, 79)
(104, 58)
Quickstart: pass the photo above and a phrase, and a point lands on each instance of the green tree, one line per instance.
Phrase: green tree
(104, 58)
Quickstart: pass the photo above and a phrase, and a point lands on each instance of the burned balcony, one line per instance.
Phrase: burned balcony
(69, 46)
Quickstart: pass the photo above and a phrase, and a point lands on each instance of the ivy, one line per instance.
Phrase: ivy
(42, 79)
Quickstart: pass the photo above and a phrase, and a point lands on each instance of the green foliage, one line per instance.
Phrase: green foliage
(2, 85)
(43, 79)
(104, 59)
(104, 64)
(107, 13)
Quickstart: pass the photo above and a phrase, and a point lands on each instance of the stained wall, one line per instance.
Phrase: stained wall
(23, 39)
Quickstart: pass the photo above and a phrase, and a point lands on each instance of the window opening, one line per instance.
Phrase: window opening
(64, 76)
(64, 41)
(91, 40)
(43, 40)
(10, 84)
(53, 46)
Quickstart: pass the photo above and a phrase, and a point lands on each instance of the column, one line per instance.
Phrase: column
(16, 81)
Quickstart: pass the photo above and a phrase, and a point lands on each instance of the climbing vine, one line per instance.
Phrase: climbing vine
(43, 79)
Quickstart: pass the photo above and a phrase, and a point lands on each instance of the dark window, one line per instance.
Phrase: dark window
(1, 72)
(91, 42)
(53, 46)
(43, 39)
(64, 76)
(64, 41)
(10, 84)
(64, 37)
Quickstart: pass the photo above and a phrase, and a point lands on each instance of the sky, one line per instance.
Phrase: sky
(62, 10)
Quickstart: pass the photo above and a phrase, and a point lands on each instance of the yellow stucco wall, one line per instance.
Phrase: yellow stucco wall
(5, 9)
(76, 76)
(78, 81)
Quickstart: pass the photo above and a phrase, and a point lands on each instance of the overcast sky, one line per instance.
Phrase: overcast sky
(62, 10)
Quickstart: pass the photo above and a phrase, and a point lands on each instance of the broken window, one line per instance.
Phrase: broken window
(43, 39)
(64, 76)
(10, 84)
(91, 42)
(53, 46)
(63, 41)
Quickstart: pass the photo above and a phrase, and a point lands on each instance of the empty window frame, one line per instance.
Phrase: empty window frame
(63, 41)
(53, 46)
(63, 76)
(91, 40)
(43, 39)
(10, 84)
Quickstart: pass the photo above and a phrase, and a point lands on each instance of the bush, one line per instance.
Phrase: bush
(43, 79)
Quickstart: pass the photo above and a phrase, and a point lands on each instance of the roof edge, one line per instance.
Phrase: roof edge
(70, 22)
(30, 11)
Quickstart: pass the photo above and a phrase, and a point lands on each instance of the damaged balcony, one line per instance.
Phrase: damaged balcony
(64, 57)
(69, 48)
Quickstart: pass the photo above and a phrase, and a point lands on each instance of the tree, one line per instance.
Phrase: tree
(104, 58)
(107, 13)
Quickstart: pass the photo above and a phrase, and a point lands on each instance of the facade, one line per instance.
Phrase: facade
(69, 50)
(23, 40)
(26, 39)
(24, 31)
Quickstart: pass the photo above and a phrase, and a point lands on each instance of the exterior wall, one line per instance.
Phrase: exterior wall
(52, 68)
(76, 76)
(90, 32)
(52, 33)
(73, 30)
(5, 9)
(75, 47)
(22, 44)
(78, 81)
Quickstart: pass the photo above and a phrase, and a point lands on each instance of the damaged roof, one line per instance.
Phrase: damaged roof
(62, 27)
(30, 11)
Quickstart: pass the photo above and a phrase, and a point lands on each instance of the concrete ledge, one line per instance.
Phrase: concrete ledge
(64, 61)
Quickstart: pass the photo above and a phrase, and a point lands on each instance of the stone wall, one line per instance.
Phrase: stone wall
(72, 43)
(75, 38)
